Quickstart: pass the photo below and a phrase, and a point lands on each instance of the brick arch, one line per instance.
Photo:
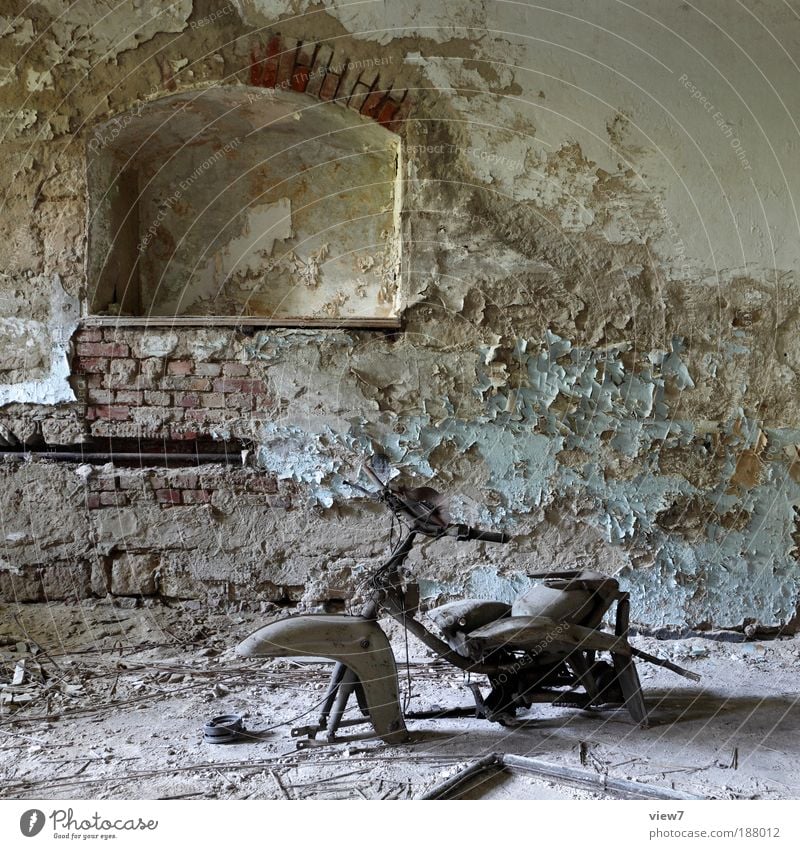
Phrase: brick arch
(312, 68)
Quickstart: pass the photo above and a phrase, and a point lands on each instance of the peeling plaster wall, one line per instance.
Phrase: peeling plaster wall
(599, 350)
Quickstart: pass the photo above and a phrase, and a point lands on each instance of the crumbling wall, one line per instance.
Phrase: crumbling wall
(598, 349)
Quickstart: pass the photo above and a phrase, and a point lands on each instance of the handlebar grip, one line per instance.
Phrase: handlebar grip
(487, 536)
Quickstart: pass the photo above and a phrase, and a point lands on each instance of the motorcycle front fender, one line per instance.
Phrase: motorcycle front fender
(358, 643)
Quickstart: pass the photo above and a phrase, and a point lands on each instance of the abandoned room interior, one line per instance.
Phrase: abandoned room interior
(402, 395)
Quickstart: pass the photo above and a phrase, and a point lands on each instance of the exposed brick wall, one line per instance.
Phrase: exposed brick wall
(168, 397)
(170, 488)
(206, 532)
(319, 70)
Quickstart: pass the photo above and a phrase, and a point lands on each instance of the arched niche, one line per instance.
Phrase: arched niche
(244, 204)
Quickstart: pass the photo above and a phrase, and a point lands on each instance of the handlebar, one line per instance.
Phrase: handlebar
(467, 533)
(427, 513)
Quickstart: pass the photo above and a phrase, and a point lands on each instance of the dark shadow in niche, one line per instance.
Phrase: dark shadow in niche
(244, 202)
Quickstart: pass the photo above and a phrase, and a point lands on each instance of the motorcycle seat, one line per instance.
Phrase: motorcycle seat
(458, 619)
(575, 598)
(580, 599)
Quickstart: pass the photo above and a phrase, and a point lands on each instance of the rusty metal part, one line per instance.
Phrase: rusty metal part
(667, 664)
(598, 782)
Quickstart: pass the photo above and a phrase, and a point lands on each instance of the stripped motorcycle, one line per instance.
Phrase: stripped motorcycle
(548, 646)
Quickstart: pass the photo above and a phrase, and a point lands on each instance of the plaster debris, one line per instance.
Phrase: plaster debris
(54, 388)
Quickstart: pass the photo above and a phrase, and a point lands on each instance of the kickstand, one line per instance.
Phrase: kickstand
(481, 711)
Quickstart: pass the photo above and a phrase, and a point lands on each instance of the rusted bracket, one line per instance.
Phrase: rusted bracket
(601, 783)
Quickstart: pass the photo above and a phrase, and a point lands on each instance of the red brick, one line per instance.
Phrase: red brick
(212, 399)
(372, 105)
(113, 499)
(269, 65)
(329, 86)
(184, 480)
(187, 399)
(208, 369)
(168, 496)
(92, 501)
(358, 95)
(178, 433)
(128, 396)
(300, 77)
(99, 396)
(256, 67)
(239, 402)
(115, 412)
(235, 370)
(251, 387)
(181, 367)
(158, 399)
(286, 61)
(264, 483)
(388, 112)
(91, 364)
(403, 111)
(102, 349)
(198, 384)
(90, 334)
(196, 496)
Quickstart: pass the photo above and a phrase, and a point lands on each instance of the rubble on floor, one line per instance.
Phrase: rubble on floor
(114, 707)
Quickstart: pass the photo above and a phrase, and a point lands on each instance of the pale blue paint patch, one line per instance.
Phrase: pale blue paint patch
(480, 582)
(717, 575)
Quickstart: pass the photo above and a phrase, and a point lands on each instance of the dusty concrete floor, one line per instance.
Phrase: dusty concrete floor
(114, 699)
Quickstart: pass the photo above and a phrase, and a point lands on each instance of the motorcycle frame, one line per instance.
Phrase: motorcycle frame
(390, 594)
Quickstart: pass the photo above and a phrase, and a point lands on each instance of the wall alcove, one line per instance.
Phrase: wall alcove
(244, 205)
